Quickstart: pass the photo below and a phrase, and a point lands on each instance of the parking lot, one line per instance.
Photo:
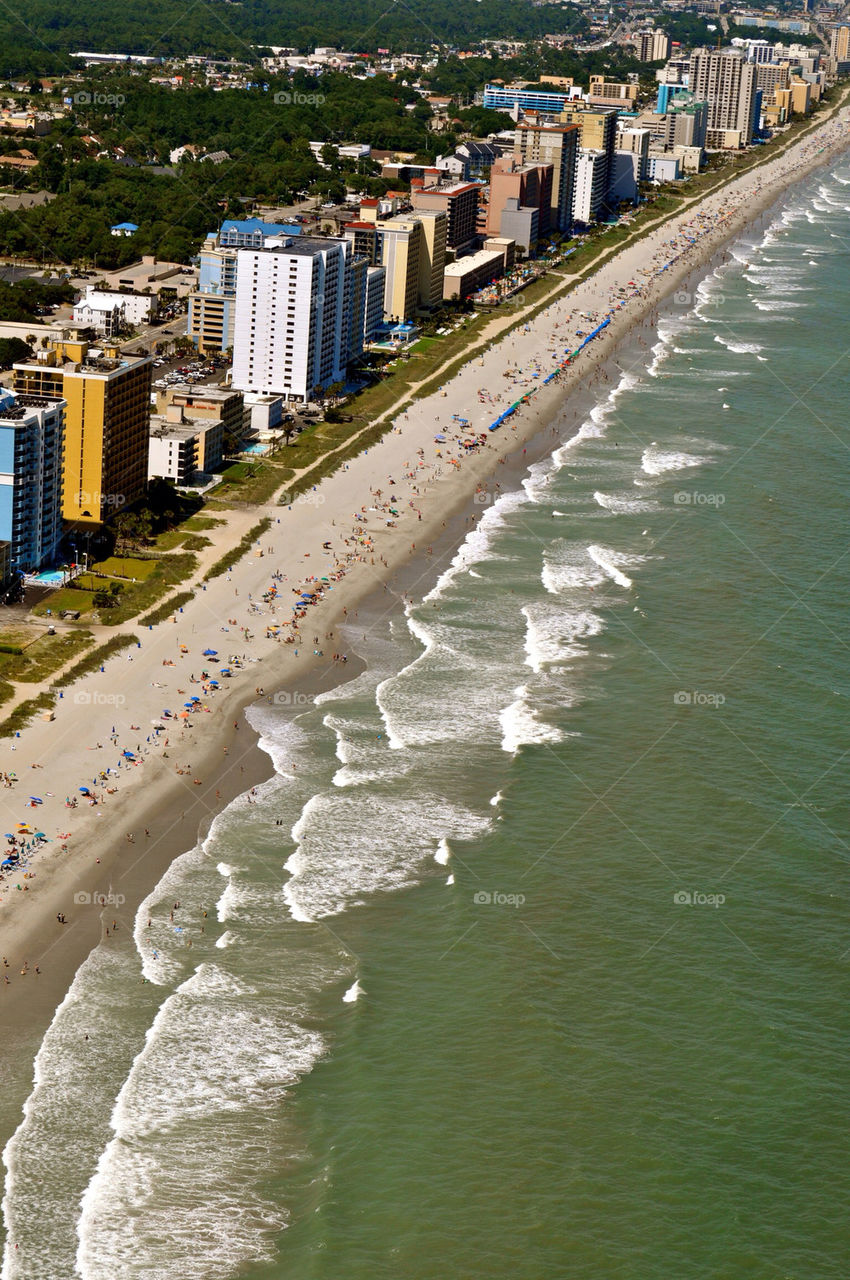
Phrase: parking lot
(170, 371)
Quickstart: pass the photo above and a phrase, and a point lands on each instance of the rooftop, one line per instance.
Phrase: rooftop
(482, 257)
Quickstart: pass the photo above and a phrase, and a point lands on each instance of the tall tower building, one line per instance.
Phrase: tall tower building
(556, 145)
(597, 132)
(412, 249)
(292, 327)
(727, 82)
(106, 425)
(31, 479)
(212, 304)
(653, 46)
(839, 46)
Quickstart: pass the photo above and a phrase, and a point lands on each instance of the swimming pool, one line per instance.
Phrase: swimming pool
(49, 578)
(256, 448)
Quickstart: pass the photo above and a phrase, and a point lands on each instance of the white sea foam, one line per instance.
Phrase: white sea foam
(353, 994)
(53, 1152)
(478, 543)
(280, 735)
(741, 348)
(607, 561)
(443, 852)
(227, 939)
(159, 964)
(777, 304)
(353, 845)
(567, 567)
(619, 504)
(214, 1051)
(555, 634)
(657, 462)
(521, 726)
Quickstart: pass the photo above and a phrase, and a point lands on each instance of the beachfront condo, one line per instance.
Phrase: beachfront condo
(30, 479)
(105, 465)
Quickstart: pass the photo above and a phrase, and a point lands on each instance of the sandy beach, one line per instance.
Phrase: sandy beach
(142, 754)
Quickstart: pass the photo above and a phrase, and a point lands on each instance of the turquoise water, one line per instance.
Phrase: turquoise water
(536, 966)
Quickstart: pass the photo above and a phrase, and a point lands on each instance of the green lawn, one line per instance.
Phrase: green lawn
(126, 567)
(170, 571)
(64, 598)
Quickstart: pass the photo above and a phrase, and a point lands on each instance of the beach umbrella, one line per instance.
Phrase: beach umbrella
(210, 653)
(37, 799)
(128, 755)
(188, 705)
(195, 698)
(184, 715)
(84, 790)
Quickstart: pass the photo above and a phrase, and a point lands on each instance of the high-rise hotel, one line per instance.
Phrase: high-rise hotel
(293, 330)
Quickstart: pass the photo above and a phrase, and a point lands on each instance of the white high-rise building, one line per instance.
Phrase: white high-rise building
(590, 185)
(292, 325)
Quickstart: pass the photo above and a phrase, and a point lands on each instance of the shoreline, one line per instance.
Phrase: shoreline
(97, 861)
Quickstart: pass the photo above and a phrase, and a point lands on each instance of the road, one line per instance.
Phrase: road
(153, 333)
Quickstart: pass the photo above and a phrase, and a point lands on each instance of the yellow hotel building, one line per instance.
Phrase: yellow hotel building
(107, 419)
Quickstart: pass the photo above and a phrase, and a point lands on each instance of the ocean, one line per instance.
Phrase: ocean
(531, 958)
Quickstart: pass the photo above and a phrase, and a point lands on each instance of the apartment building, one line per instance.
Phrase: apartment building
(291, 325)
(212, 305)
(31, 435)
(727, 83)
(107, 399)
(555, 145)
(459, 202)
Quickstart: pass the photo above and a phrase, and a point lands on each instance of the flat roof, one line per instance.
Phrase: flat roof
(202, 392)
(449, 189)
(481, 258)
